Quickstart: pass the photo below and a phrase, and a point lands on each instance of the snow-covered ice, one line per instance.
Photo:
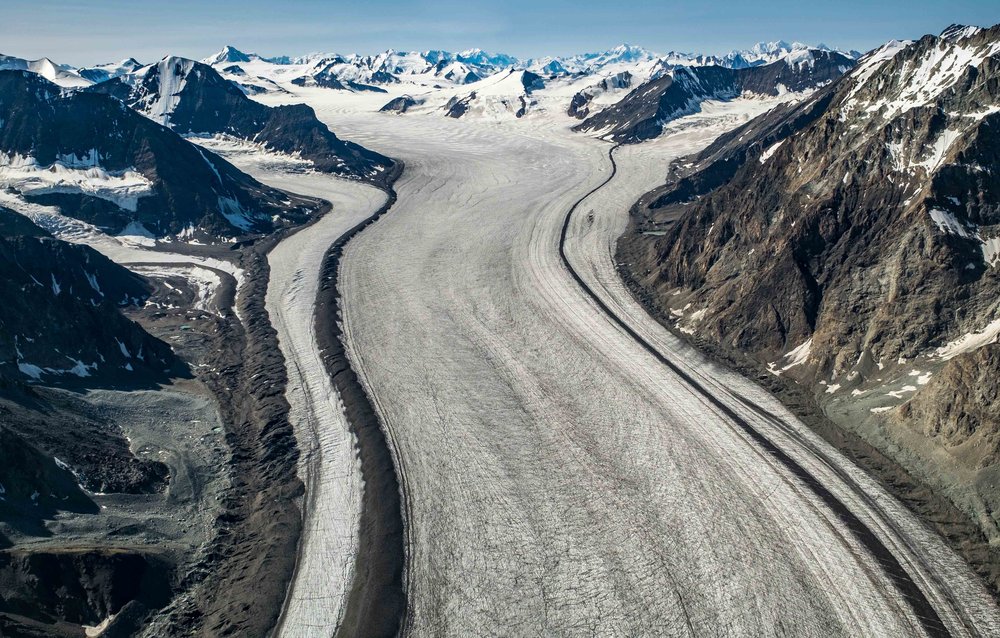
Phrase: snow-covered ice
(559, 478)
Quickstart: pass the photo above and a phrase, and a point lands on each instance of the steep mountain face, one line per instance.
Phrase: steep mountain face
(107, 164)
(851, 244)
(192, 99)
(61, 319)
(642, 113)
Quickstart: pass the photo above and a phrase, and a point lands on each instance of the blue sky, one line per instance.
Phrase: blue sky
(87, 32)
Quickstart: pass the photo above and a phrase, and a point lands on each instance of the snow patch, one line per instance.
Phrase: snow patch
(939, 150)
(991, 251)
(948, 223)
(766, 155)
(898, 394)
(72, 174)
(970, 341)
(135, 234)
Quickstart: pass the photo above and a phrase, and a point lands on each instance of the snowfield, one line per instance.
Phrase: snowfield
(559, 478)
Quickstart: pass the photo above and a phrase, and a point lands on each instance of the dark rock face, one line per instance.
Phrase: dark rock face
(531, 82)
(33, 484)
(579, 106)
(400, 104)
(189, 188)
(643, 112)
(718, 163)
(61, 320)
(838, 206)
(850, 242)
(456, 107)
(193, 99)
(83, 587)
(59, 426)
(961, 405)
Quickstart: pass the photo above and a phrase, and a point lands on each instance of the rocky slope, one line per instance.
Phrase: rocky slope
(641, 114)
(61, 319)
(193, 99)
(850, 244)
(112, 167)
(62, 325)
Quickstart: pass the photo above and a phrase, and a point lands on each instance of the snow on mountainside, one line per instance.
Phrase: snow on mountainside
(108, 165)
(456, 84)
(104, 72)
(193, 99)
(642, 113)
(255, 74)
(355, 72)
(502, 94)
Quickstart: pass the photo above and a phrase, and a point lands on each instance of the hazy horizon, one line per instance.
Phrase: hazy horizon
(87, 33)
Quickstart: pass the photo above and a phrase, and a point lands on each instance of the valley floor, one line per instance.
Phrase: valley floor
(557, 477)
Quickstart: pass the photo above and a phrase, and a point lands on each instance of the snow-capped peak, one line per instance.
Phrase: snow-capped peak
(228, 54)
(957, 32)
(479, 57)
(61, 74)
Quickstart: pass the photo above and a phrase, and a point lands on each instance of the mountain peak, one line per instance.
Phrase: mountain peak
(228, 54)
(956, 32)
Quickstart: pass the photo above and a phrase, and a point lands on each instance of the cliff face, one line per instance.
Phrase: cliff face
(850, 244)
(960, 407)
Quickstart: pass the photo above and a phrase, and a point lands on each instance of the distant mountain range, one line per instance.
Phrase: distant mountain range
(462, 67)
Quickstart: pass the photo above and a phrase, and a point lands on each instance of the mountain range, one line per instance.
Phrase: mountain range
(191, 98)
(463, 67)
(110, 166)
